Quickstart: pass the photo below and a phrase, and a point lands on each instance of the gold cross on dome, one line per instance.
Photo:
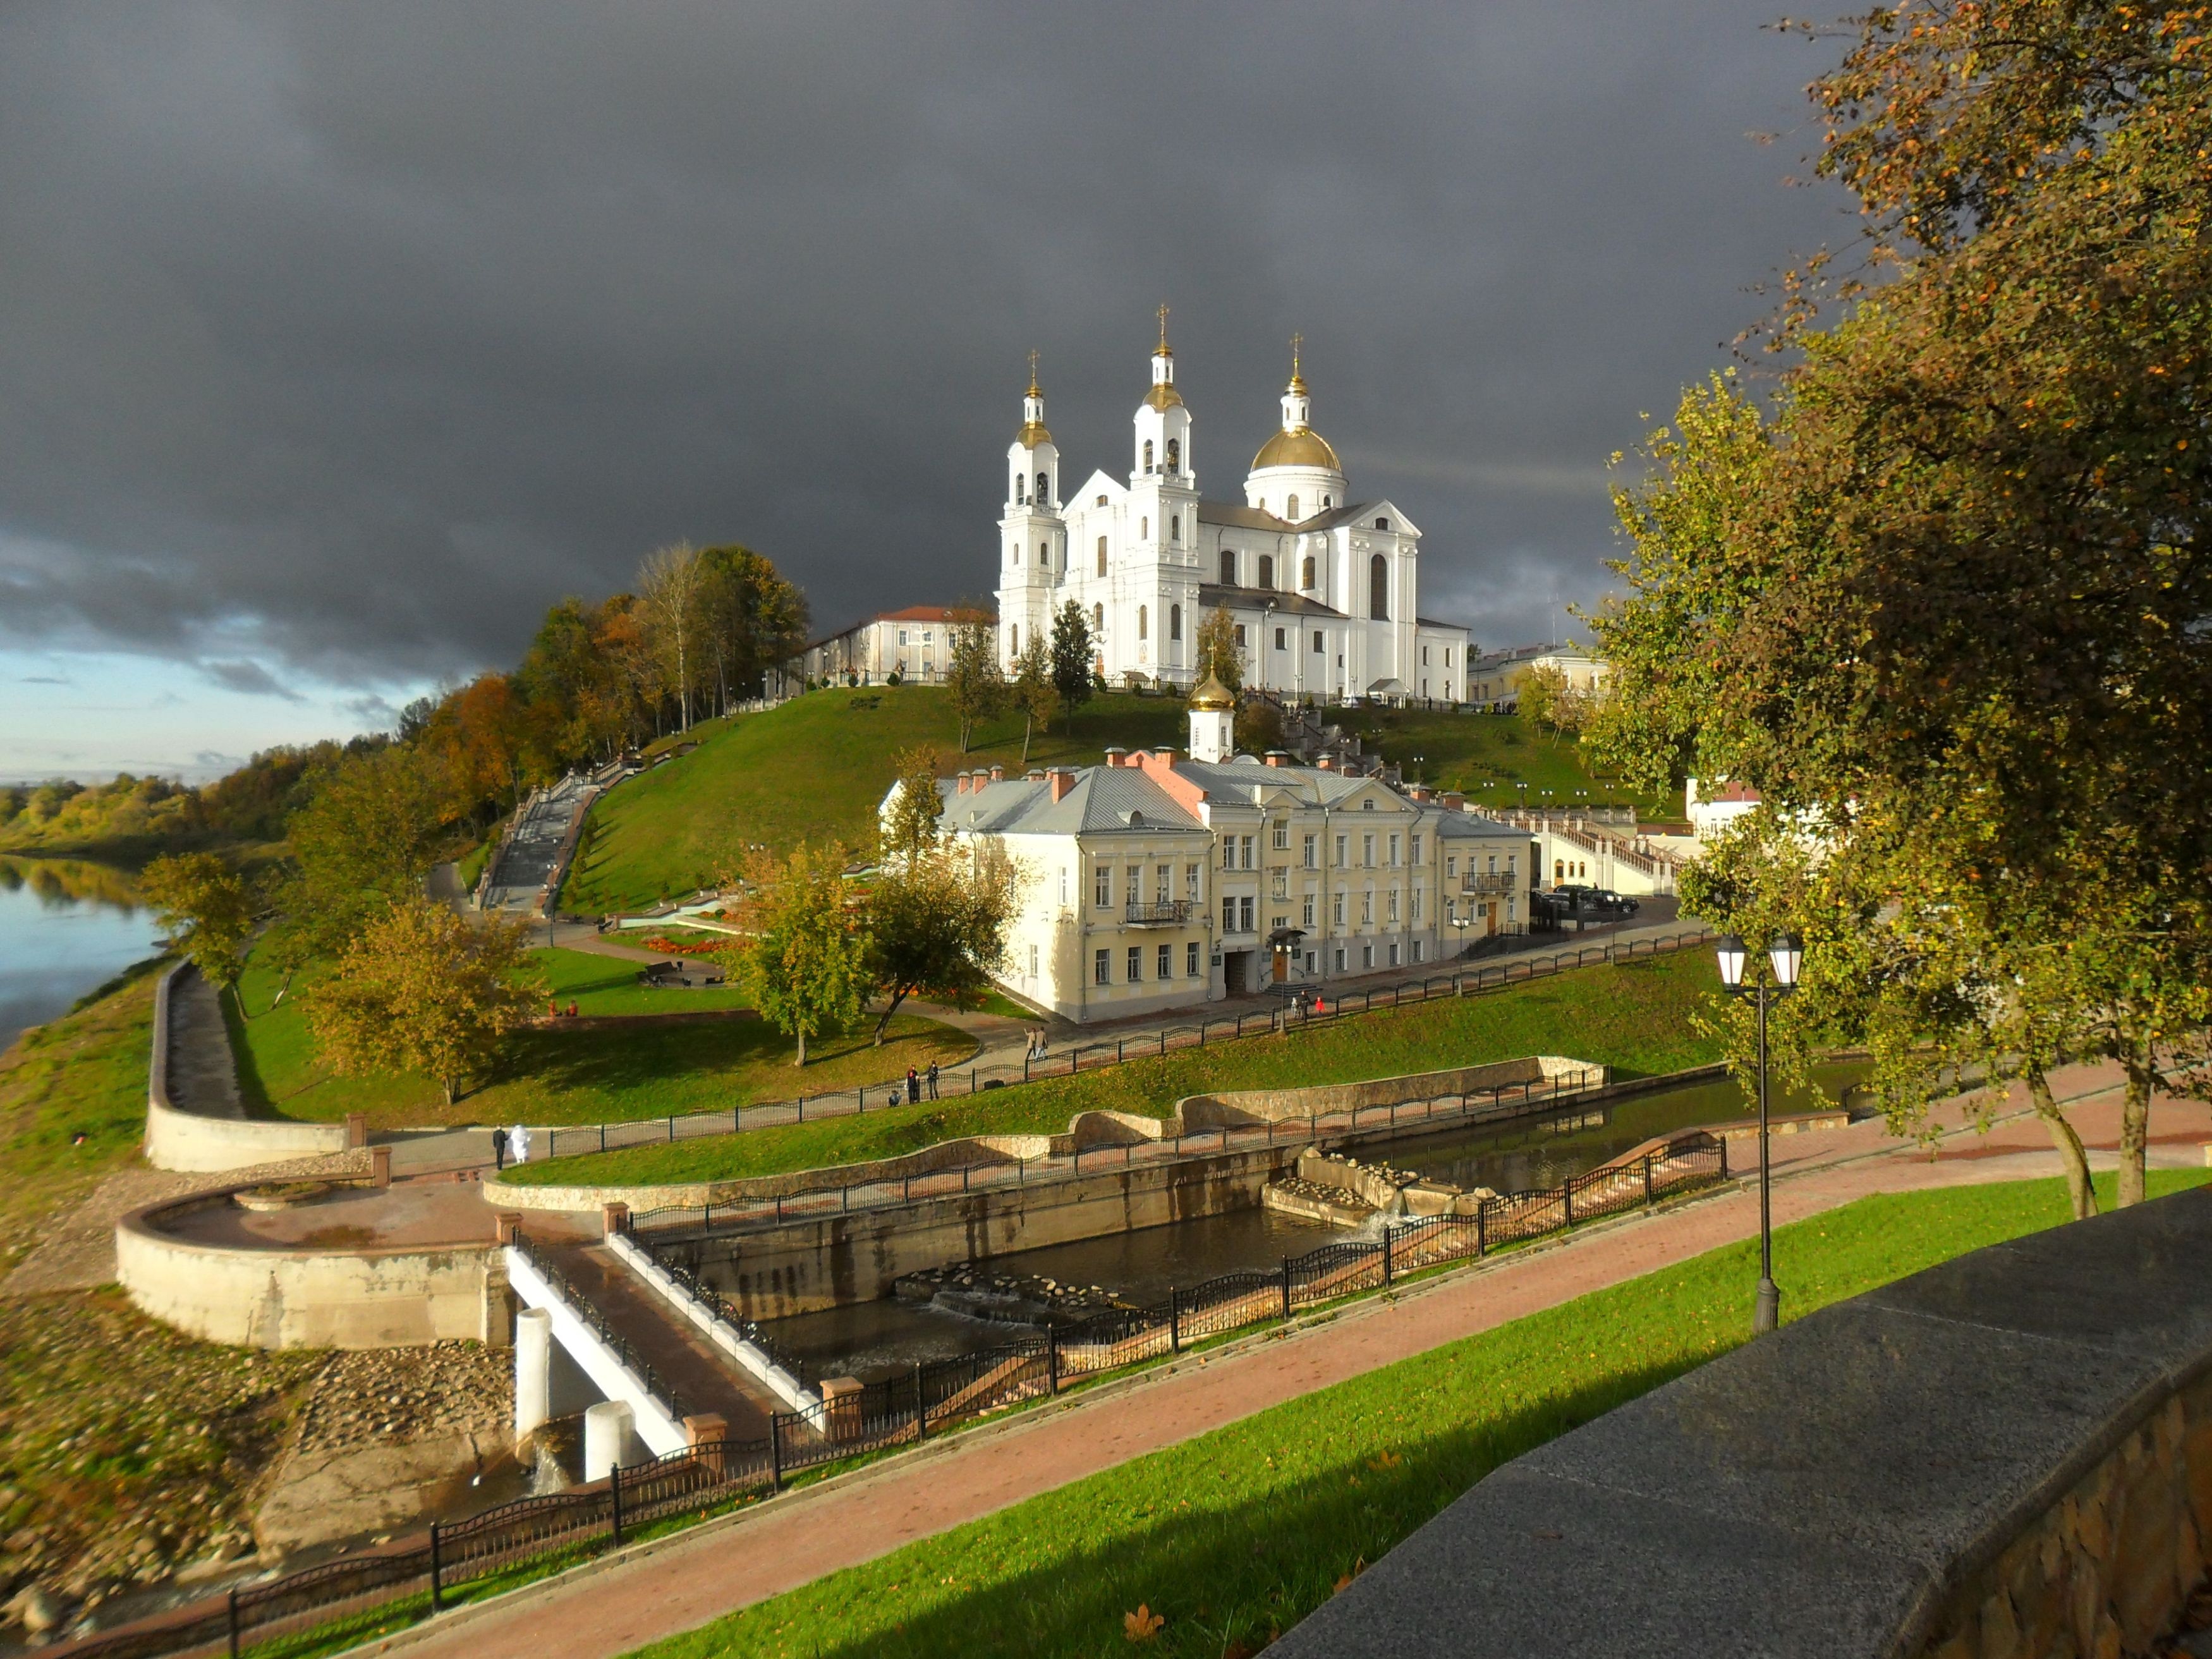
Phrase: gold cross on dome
(1164, 328)
(1296, 340)
(1033, 379)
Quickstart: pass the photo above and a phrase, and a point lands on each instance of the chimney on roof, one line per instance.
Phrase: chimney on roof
(1117, 756)
(1166, 756)
(1062, 779)
(1278, 758)
(1454, 801)
(960, 783)
(1035, 774)
(1327, 762)
(998, 774)
(1420, 791)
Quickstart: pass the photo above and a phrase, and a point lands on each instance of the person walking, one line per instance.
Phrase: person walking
(913, 1086)
(932, 1080)
(498, 1150)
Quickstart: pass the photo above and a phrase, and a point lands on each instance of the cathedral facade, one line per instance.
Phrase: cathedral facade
(1322, 590)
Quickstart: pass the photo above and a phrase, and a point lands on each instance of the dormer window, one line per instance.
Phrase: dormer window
(1382, 523)
(1102, 500)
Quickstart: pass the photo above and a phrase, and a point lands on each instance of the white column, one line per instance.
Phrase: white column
(610, 1432)
(533, 1371)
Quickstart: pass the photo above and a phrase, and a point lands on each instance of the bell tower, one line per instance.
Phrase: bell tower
(1032, 531)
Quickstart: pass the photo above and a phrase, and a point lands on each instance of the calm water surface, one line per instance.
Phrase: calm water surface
(872, 1339)
(65, 926)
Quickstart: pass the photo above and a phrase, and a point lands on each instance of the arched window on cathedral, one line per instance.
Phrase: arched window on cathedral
(1144, 621)
(1326, 503)
(1013, 639)
(1291, 510)
(1098, 622)
(1267, 570)
(1175, 622)
(1309, 581)
(1018, 496)
(1145, 528)
(1044, 555)
(1044, 490)
(1175, 531)
(1102, 556)
(1014, 554)
(1175, 453)
(1229, 567)
(1148, 454)
(1378, 588)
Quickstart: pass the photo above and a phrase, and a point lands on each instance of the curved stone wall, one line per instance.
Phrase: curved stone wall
(2006, 1455)
(198, 1143)
(249, 1297)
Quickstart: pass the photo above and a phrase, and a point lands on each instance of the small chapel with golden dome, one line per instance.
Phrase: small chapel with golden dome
(1322, 590)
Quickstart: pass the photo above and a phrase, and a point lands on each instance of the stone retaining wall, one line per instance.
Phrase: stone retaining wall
(196, 1144)
(2007, 1454)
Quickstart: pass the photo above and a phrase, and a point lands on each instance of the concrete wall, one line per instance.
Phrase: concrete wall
(2007, 1454)
(307, 1298)
(824, 1263)
(182, 1140)
(1243, 1106)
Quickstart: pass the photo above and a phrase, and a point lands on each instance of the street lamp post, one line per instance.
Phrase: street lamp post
(1784, 955)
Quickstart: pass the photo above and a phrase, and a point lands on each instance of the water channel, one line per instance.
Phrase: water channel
(66, 926)
(874, 1339)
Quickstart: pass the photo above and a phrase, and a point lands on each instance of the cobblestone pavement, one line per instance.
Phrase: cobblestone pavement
(624, 1601)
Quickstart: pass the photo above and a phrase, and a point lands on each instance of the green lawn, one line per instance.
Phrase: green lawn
(813, 769)
(84, 1073)
(1485, 754)
(1236, 1536)
(1634, 1017)
(608, 985)
(552, 1075)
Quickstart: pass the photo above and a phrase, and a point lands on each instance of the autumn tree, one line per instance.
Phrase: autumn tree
(804, 960)
(669, 583)
(972, 678)
(751, 619)
(909, 826)
(1217, 648)
(937, 928)
(362, 843)
(1943, 598)
(422, 990)
(1072, 648)
(1034, 691)
(207, 909)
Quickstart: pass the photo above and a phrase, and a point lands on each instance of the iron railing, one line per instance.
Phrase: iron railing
(1321, 1006)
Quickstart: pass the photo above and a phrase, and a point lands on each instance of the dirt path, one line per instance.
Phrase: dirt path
(623, 1601)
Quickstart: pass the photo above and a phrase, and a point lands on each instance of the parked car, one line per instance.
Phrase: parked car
(1575, 902)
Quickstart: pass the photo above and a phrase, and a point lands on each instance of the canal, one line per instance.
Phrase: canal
(874, 1339)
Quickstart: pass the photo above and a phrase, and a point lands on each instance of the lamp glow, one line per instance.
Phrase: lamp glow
(1787, 952)
(1731, 953)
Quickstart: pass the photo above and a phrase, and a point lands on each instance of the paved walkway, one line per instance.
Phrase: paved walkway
(636, 1596)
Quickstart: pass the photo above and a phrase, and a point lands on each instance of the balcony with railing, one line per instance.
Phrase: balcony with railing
(1472, 882)
(1164, 912)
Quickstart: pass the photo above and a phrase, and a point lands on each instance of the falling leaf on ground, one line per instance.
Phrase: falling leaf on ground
(1388, 1460)
(1143, 1624)
(1344, 1582)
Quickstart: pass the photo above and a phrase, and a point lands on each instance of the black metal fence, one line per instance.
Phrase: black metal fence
(1493, 1103)
(390, 1583)
(954, 1083)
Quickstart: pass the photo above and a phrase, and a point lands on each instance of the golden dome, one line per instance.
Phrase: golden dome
(1302, 448)
(1163, 396)
(1033, 434)
(1211, 693)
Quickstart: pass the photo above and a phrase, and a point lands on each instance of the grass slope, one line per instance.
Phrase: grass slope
(556, 1074)
(813, 769)
(1484, 756)
(1632, 1016)
(1234, 1536)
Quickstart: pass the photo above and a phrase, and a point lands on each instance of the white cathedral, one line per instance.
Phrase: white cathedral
(1321, 589)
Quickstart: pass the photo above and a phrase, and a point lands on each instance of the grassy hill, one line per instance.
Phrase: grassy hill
(812, 770)
(815, 768)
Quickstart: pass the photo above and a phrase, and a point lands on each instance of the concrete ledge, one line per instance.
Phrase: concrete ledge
(401, 1296)
(2008, 1454)
(196, 1144)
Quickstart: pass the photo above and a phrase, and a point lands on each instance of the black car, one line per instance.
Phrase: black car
(1576, 903)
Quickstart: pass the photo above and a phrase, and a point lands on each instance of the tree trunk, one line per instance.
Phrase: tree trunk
(897, 997)
(1028, 723)
(2135, 1129)
(801, 1060)
(447, 1083)
(2080, 1194)
(282, 989)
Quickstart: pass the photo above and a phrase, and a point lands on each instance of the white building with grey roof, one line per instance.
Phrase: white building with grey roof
(1160, 881)
(1323, 591)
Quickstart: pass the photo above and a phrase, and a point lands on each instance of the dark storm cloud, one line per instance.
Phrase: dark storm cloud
(249, 679)
(370, 330)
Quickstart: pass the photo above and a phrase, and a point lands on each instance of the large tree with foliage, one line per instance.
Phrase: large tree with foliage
(423, 990)
(1033, 691)
(1072, 649)
(909, 826)
(1944, 599)
(751, 620)
(363, 842)
(669, 582)
(972, 677)
(804, 960)
(206, 906)
(937, 928)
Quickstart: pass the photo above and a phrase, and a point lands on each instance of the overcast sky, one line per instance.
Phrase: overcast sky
(337, 342)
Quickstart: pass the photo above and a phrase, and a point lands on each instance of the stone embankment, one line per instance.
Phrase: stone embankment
(195, 1122)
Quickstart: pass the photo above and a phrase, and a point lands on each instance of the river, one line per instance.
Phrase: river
(873, 1339)
(65, 926)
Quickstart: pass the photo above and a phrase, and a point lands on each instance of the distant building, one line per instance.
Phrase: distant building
(1716, 804)
(1155, 882)
(1494, 678)
(915, 643)
(1322, 590)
